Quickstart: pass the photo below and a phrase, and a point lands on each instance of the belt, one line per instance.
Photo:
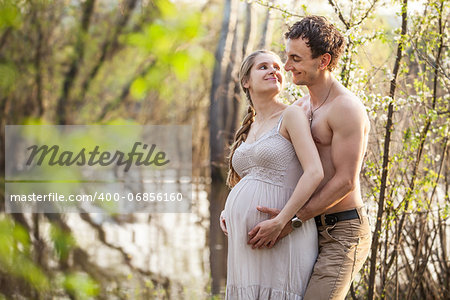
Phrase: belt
(332, 219)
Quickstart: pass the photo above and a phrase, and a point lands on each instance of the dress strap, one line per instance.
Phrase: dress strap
(279, 122)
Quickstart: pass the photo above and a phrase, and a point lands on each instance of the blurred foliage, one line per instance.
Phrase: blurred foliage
(81, 286)
(97, 62)
(16, 255)
(166, 40)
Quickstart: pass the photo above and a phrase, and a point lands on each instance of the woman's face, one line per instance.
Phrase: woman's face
(265, 75)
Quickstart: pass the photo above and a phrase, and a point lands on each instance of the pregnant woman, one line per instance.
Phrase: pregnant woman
(273, 163)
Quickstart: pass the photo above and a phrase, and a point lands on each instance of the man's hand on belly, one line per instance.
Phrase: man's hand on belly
(254, 239)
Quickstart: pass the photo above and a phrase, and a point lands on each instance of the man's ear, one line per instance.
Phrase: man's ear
(325, 61)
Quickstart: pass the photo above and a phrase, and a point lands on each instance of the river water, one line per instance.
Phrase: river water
(172, 245)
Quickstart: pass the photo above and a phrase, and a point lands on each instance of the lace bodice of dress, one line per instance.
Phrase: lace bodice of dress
(269, 159)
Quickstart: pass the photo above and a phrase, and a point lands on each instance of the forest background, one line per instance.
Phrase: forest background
(175, 62)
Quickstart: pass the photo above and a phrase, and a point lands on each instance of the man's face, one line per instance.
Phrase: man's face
(304, 68)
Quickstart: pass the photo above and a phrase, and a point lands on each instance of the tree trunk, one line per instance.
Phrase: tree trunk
(248, 44)
(385, 166)
(69, 80)
(217, 122)
(37, 63)
(108, 47)
(266, 35)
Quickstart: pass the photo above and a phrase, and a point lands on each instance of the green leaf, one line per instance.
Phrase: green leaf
(160, 40)
(167, 9)
(81, 285)
(191, 26)
(9, 15)
(138, 88)
(8, 75)
(181, 64)
(62, 241)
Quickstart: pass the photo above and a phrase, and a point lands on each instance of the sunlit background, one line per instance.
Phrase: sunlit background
(175, 62)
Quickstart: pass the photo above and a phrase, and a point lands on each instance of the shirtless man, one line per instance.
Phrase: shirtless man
(340, 127)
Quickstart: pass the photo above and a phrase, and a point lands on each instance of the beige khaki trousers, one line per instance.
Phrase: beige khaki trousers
(343, 249)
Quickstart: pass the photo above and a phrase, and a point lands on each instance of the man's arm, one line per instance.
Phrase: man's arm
(349, 124)
(350, 127)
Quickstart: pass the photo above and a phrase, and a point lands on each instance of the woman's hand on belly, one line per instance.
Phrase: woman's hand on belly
(265, 234)
(223, 223)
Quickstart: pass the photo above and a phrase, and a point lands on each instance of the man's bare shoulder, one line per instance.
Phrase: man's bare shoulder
(347, 108)
(347, 99)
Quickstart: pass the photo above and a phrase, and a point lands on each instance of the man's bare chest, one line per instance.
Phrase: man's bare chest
(321, 133)
(320, 130)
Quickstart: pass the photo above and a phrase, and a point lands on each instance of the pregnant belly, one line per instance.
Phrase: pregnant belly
(240, 208)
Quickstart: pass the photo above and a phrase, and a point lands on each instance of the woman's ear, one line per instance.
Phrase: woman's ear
(246, 84)
(325, 61)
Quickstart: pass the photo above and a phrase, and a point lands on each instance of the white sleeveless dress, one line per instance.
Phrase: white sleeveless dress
(270, 170)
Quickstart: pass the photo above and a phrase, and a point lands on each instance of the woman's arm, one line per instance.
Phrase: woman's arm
(297, 128)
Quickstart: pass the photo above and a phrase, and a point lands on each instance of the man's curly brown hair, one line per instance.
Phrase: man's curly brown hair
(320, 36)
